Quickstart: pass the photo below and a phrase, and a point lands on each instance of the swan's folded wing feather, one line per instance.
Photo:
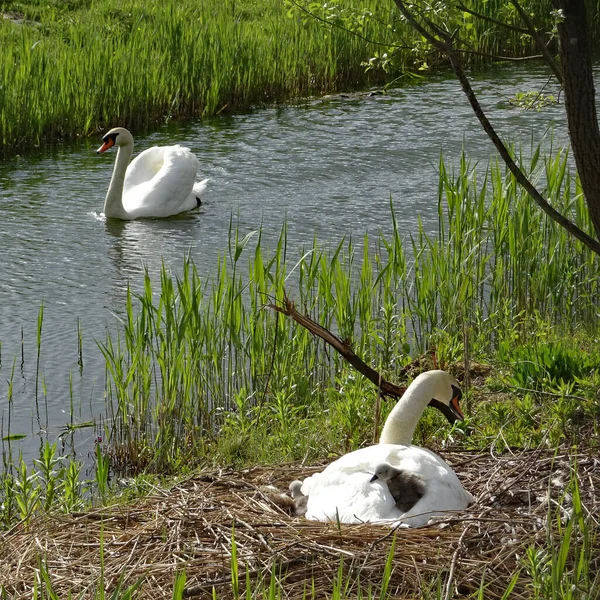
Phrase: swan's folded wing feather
(349, 497)
(442, 496)
(343, 489)
(200, 187)
(443, 490)
(159, 182)
(145, 166)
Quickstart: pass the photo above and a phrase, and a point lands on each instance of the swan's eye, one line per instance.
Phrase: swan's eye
(109, 141)
(110, 138)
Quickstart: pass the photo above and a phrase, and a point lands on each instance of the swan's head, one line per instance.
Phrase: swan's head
(432, 388)
(445, 394)
(119, 136)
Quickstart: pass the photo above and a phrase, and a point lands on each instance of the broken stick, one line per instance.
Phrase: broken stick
(386, 387)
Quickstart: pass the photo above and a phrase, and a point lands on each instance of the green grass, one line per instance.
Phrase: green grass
(201, 372)
(83, 66)
(207, 364)
(72, 68)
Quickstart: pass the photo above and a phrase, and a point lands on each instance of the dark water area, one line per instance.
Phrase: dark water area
(328, 168)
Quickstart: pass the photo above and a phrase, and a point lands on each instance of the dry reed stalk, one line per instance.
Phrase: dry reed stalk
(190, 527)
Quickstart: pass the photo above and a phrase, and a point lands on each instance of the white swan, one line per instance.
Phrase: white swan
(347, 491)
(160, 182)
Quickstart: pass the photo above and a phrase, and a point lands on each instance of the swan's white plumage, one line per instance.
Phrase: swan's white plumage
(159, 182)
(344, 491)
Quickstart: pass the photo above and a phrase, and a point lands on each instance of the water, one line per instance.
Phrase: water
(328, 168)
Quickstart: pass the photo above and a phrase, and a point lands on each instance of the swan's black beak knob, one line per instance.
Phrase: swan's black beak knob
(109, 142)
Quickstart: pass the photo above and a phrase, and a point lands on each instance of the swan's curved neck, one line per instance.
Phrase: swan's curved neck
(113, 204)
(400, 425)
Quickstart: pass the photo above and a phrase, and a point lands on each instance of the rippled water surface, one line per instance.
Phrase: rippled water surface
(328, 168)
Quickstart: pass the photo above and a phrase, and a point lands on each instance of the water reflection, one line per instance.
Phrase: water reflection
(135, 246)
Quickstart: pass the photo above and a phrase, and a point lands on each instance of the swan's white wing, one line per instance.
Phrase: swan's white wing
(349, 497)
(199, 188)
(145, 166)
(343, 490)
(160, 182)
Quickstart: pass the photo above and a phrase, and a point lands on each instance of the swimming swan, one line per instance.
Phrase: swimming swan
(347, 491)
(160, 182)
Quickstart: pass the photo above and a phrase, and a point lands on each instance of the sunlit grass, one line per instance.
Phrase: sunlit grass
(202, 371)
(205, 363)
(68, 72)
(203, 374)
(69, 69)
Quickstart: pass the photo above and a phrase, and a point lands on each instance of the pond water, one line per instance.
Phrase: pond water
(327, 167)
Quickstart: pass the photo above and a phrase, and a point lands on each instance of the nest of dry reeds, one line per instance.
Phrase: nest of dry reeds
(520, 499)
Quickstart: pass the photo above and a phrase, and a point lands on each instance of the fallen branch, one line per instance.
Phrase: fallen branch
(386, 387)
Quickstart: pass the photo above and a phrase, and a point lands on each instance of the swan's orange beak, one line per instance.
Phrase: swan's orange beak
(109, 143)
(455, 406)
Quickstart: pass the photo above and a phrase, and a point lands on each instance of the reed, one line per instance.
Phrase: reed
(149, 62)
(68, 71)
(206, 364)
(200, 371)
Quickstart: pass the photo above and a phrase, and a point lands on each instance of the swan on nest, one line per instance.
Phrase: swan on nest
(355, 489)
(159, 182)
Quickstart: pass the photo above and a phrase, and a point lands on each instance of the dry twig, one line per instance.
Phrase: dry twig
(190, 525)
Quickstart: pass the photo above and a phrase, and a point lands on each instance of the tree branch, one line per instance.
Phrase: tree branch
(491, 20)
(538, 41)
(497, 57)
(386, 387)
(444, 44)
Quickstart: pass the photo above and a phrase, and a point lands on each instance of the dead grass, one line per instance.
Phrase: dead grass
(190, 525)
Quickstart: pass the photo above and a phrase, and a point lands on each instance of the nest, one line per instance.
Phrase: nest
(189, 527)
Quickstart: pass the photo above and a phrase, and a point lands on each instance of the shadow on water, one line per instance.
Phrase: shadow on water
(135, 246)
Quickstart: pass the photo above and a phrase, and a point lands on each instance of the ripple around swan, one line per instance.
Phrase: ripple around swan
(328, 167)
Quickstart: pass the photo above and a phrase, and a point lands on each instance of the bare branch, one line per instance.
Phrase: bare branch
(386, 387)
(538, 40)
(515, 59)
(491, 20)
(444, 44)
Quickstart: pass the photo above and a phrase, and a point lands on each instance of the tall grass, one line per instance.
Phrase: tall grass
(562, 568)
(69, 69)
(68, 74)
(200, 367)
(52, 482)
(202, 371)
(198, 359)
